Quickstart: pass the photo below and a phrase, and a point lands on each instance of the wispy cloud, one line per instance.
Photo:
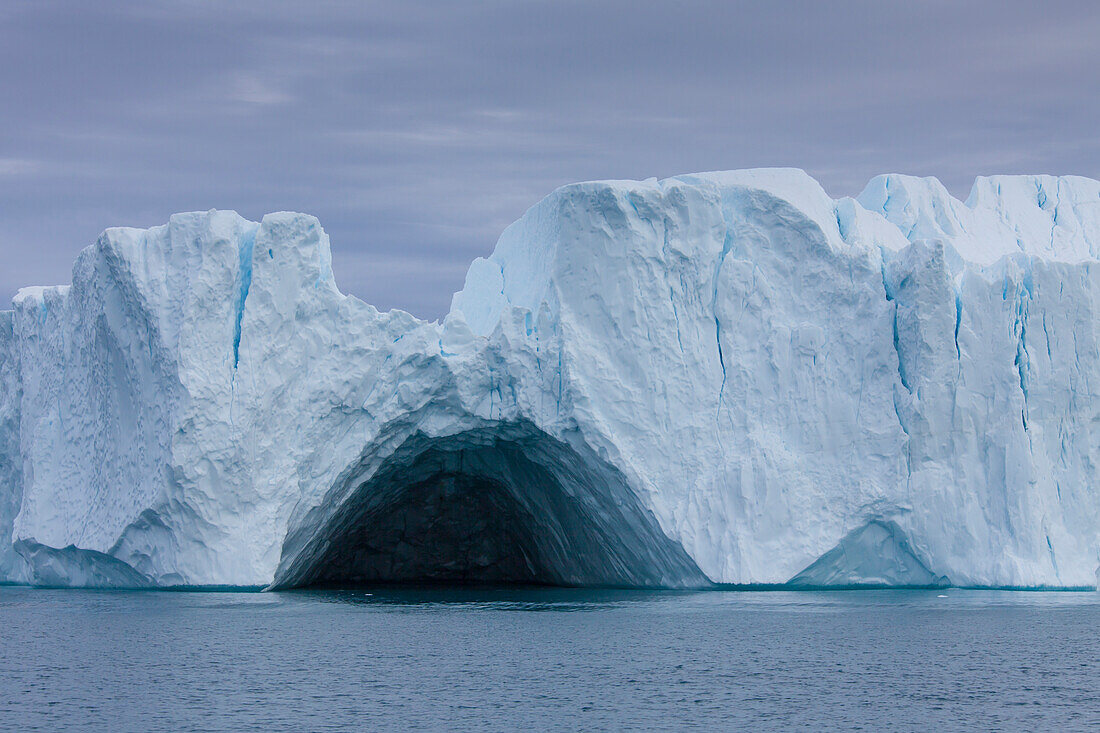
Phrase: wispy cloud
(19, 166)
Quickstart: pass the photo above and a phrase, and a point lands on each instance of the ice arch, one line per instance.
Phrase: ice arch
(503, 503)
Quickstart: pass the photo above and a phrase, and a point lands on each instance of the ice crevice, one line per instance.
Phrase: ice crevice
(244, 283)
(1023, 296)
(727, 245)
(896, 338)
(958, 321)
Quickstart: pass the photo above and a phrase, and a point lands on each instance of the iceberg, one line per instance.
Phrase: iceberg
(720, 378)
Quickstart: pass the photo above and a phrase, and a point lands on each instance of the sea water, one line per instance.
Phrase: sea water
(549, 659)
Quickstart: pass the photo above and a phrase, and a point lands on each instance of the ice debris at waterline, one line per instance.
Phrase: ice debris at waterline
(725, 377)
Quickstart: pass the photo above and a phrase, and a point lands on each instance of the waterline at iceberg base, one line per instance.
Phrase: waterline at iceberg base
(723, 378)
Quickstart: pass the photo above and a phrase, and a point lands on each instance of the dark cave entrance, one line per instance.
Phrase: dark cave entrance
(448, 528)
(505, 504)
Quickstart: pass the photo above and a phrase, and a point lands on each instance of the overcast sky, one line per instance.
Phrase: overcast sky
(417, 131)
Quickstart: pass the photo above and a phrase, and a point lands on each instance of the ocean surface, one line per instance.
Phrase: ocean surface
(549, 659)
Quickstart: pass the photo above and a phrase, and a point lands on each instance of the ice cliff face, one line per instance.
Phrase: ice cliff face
(726, 377)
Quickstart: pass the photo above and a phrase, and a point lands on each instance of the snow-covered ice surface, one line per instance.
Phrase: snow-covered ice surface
(715, 378)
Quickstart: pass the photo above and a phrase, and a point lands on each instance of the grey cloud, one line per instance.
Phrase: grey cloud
(416, 131)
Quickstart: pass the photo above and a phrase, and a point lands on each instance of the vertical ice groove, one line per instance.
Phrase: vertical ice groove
(721, 358)
(727, 245)
(841, 226)
(885, 282)
(897, 350)
(1053, 558)
(1046, 333)
(244, 282)
(890, 296)
(1054, 216)
(1022, 361)
(958, 322)
(676, 315)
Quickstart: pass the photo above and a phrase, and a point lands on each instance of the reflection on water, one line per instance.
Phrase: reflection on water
(500, 598)
(547, 598)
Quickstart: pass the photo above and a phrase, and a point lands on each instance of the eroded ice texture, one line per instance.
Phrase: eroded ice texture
(70, 567)
(725, 377)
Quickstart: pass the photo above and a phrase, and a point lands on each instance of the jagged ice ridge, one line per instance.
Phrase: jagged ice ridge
(715, 378)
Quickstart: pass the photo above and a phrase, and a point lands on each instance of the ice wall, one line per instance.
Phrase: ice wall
(768, 385)
(11, 458)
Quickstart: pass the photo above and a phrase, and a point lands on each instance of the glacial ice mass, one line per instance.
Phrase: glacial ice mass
(722, 378)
